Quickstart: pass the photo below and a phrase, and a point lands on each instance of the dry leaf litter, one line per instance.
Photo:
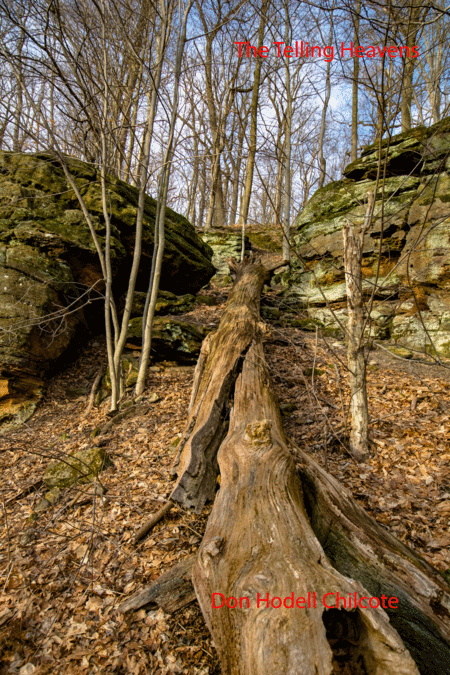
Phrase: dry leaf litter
(65, 570)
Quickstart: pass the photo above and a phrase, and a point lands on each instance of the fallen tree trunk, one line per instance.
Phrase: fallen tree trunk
(273, 601)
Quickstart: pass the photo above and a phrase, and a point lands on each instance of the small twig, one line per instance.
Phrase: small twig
(7, 538)
(159, 515)
(344, 414)
(93, 393)
(26, 491)
(192, 530)
(314, 362)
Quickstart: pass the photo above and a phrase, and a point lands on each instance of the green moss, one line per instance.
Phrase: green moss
(171, 338)
(306, 324)
(316, 372)
(41, 196)
(81, 466)
(205, 300)
(268, 240)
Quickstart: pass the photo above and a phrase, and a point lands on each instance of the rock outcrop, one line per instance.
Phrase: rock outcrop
(171, 338)
(167, 303)
(406, 262)
(225, 244)
(48, 264)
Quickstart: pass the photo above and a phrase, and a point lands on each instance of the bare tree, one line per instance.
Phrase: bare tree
(252, 143)
(150, 305)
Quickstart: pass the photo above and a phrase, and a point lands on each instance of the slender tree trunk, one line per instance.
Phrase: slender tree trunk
(417, 11)
(147, 319)
(212, 194)
(287, 159)
(18, 110)
(236, 179)
(202, 200)
(279, 187)
(194, 182)
(220, 210)
(111, 326)
(322, 160)
(143, 177)
(127, 177)
(353, 250)
(407, 94)
(214, 125)
(355, 83)
(245, 202)
(436, 103)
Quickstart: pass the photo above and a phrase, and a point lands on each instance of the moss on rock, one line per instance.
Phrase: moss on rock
(167, 303)
(48, 258)
(79, 467)
(171, 339)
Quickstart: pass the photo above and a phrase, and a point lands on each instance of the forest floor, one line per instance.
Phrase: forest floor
(65, 570)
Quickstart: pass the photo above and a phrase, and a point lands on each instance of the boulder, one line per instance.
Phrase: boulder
(225, 244)
(167, 303)
(79, 467)
(406, 250)
(172, 339)
(48, 263)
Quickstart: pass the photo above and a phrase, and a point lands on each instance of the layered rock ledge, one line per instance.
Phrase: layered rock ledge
(406, 264)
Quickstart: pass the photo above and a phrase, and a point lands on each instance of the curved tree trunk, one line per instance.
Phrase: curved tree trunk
(272, 538)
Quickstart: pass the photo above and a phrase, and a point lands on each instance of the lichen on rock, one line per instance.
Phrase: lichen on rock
(225, 245)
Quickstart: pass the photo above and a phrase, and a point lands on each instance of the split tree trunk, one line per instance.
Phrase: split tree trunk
(269, 535)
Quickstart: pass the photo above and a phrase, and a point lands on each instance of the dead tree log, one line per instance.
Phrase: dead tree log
(276, 607)
(172, 591)
(220, 361)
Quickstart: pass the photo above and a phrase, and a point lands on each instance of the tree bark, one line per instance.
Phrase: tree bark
(323, 123)
(245, 201)
(412, 29)
(358, 547)
(237, 162)
(172, 591)
(270, 533)
(286, 246)
(355, 83)
(356, 359)
(152, 294)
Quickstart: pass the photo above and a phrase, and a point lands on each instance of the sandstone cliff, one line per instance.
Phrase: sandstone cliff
(406, 251)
